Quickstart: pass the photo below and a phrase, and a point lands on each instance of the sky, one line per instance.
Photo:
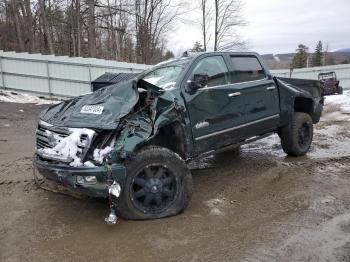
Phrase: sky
(276, 26)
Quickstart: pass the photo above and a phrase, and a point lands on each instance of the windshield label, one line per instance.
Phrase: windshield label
(92, 109)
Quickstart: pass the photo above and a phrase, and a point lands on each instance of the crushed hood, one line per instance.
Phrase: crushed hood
(117, 100)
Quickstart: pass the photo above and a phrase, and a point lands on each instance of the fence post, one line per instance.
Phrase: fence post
(2, 74)
(48, 78)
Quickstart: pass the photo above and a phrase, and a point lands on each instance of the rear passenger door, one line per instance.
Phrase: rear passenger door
(261, 100)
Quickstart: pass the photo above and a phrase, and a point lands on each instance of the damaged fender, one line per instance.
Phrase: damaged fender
(144, 126)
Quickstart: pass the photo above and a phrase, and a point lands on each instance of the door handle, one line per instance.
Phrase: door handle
(234, 94)
(270, 88)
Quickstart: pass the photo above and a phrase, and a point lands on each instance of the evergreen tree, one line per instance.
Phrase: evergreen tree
(318, 55)
(197, 47)
(168, 55)
(301, 57)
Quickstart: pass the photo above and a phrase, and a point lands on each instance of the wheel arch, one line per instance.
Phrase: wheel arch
(171, 136)
(307, 105)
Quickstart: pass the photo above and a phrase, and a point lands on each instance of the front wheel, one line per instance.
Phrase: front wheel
(296, 139)
(158, 184)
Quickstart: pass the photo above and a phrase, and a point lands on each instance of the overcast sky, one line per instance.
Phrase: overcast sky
(278, 26)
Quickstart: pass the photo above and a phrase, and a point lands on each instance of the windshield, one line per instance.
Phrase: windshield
(165, 77)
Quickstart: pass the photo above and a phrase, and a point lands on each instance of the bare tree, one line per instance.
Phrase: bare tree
(227, 19)
(91, 28)
(206, 20)
(18, 25)
(45, 27)
(127, 30)
(27, 12)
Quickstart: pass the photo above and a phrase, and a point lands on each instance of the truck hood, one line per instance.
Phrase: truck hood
(113, 102)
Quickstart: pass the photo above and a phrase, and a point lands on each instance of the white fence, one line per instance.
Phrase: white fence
(342, 71)
(56, 75)
(69, 76)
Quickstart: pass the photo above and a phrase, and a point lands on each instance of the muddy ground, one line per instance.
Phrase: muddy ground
(259, 206)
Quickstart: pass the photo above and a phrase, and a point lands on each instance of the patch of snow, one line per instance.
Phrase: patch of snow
(89, 164)
(153, 80)
(76, 162)
(328, 199)
(216, 212)
(338, 101)
(202, 162)
(168, 86)
(215, 204)
(141, 90)
(16, 97)
(165, 62)
(100, 154)
(67, 147)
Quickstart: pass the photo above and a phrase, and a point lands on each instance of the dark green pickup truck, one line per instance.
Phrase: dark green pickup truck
(130, 141)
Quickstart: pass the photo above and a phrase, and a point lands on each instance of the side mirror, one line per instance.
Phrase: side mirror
(199, 81)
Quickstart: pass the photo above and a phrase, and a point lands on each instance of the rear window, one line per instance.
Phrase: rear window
(246, 68)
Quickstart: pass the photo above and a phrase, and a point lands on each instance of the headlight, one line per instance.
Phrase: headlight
(90, 180)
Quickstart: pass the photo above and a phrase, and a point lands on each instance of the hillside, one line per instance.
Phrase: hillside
(283, 61)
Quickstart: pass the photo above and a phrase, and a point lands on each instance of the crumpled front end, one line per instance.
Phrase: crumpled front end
(76, 158)
(86, 143)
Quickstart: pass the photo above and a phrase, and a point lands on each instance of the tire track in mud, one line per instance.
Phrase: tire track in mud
(17, 173)
(322, 231)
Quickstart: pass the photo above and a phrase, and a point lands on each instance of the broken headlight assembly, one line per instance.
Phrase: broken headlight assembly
(86, 180)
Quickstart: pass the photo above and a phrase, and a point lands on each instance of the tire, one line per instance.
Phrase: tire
(340, 90)
(296, 139)
(158, 184)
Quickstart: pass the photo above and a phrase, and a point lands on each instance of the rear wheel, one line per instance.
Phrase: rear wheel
(158, 184)
(296, 139)
(339, 90)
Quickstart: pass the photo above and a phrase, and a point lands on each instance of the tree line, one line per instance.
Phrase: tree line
(320, 57)
(123, 30)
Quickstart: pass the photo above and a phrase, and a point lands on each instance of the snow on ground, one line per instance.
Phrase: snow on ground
(330, 136)
(337, 107)
(16, 97)
(342, 100)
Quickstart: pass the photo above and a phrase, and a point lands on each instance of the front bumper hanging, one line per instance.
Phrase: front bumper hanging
(67, 176)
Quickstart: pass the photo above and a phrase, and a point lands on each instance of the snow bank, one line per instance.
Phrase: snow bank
(15, 97)
(337, 107)
(343, 101)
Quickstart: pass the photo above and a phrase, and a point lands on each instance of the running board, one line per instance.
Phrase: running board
(232, 146)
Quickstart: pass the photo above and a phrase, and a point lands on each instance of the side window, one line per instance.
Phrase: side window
(246, 68)
(215, 68)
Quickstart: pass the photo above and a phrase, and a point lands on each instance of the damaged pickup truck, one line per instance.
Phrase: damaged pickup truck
(130, 141)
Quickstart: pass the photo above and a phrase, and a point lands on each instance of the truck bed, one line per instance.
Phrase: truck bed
(311, 86)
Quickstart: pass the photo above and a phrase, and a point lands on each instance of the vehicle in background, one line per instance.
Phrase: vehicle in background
(329, 84)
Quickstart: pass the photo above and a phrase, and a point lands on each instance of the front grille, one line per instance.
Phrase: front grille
(48, 136)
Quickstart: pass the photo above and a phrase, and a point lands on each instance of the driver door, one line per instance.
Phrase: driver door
(215, 109)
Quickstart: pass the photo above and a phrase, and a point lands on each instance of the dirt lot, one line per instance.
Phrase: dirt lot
(259, 206)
